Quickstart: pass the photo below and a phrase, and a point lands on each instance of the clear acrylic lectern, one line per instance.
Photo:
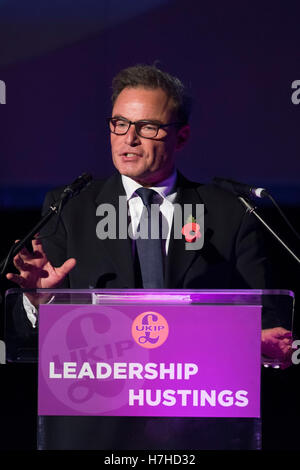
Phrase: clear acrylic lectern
(145, 369)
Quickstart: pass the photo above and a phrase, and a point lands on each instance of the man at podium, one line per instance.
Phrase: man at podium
(149, 125)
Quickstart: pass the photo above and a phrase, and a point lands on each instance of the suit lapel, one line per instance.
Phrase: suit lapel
(120, 249)
(179, 259)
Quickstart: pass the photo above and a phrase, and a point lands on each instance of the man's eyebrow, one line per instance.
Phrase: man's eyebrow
(118, 116)
(151, 121)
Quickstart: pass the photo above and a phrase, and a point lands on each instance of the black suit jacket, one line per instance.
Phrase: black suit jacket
(232, 256)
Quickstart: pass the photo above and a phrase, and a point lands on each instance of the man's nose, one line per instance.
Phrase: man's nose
(132, 138)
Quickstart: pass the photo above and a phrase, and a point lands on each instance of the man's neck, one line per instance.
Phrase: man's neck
(164, 186)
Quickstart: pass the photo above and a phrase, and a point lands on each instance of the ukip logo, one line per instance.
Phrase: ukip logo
(150, 330)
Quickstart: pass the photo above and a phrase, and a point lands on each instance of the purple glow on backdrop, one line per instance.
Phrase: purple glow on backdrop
(238, 61)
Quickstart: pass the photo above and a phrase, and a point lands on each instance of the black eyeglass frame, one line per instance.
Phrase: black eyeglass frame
(142, 122)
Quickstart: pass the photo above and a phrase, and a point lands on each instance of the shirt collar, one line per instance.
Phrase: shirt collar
(164, 188)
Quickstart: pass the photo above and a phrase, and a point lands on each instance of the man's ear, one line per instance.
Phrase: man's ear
(182, 136)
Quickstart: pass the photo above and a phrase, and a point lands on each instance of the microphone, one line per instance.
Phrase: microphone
(70, 191)
(240, 189)
(76, 187)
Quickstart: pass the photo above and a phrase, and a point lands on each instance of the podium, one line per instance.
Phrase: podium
(145, 369)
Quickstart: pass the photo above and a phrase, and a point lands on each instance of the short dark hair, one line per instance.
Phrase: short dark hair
(149, 76)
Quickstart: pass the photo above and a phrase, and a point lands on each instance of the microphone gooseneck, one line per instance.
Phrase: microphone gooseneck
(243, 193)
(70, 191)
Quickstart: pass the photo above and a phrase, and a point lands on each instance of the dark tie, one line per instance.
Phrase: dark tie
(149, 249)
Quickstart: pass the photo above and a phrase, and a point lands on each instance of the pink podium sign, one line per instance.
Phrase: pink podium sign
(149, 360)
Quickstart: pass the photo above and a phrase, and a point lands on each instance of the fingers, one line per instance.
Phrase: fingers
(285, 365)
(287, 341)
(37, 249)
(16, 278)
(33, 271)
(65, 268)
(287, 358)
(284, 351)
(19, 263)
(282, 332)
(37, 246)
(276, 343)
(277, 333)
(23, 252)
(23, 261)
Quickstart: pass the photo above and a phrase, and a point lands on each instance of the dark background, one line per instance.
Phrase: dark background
(239, 60)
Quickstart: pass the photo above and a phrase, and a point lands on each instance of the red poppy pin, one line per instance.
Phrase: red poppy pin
(191, 230)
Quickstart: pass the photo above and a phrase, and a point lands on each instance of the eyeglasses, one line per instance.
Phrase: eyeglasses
(146, 129)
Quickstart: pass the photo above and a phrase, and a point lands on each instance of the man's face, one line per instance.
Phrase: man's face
(147, 161)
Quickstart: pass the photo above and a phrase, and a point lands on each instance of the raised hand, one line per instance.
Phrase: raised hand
(35, 271)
